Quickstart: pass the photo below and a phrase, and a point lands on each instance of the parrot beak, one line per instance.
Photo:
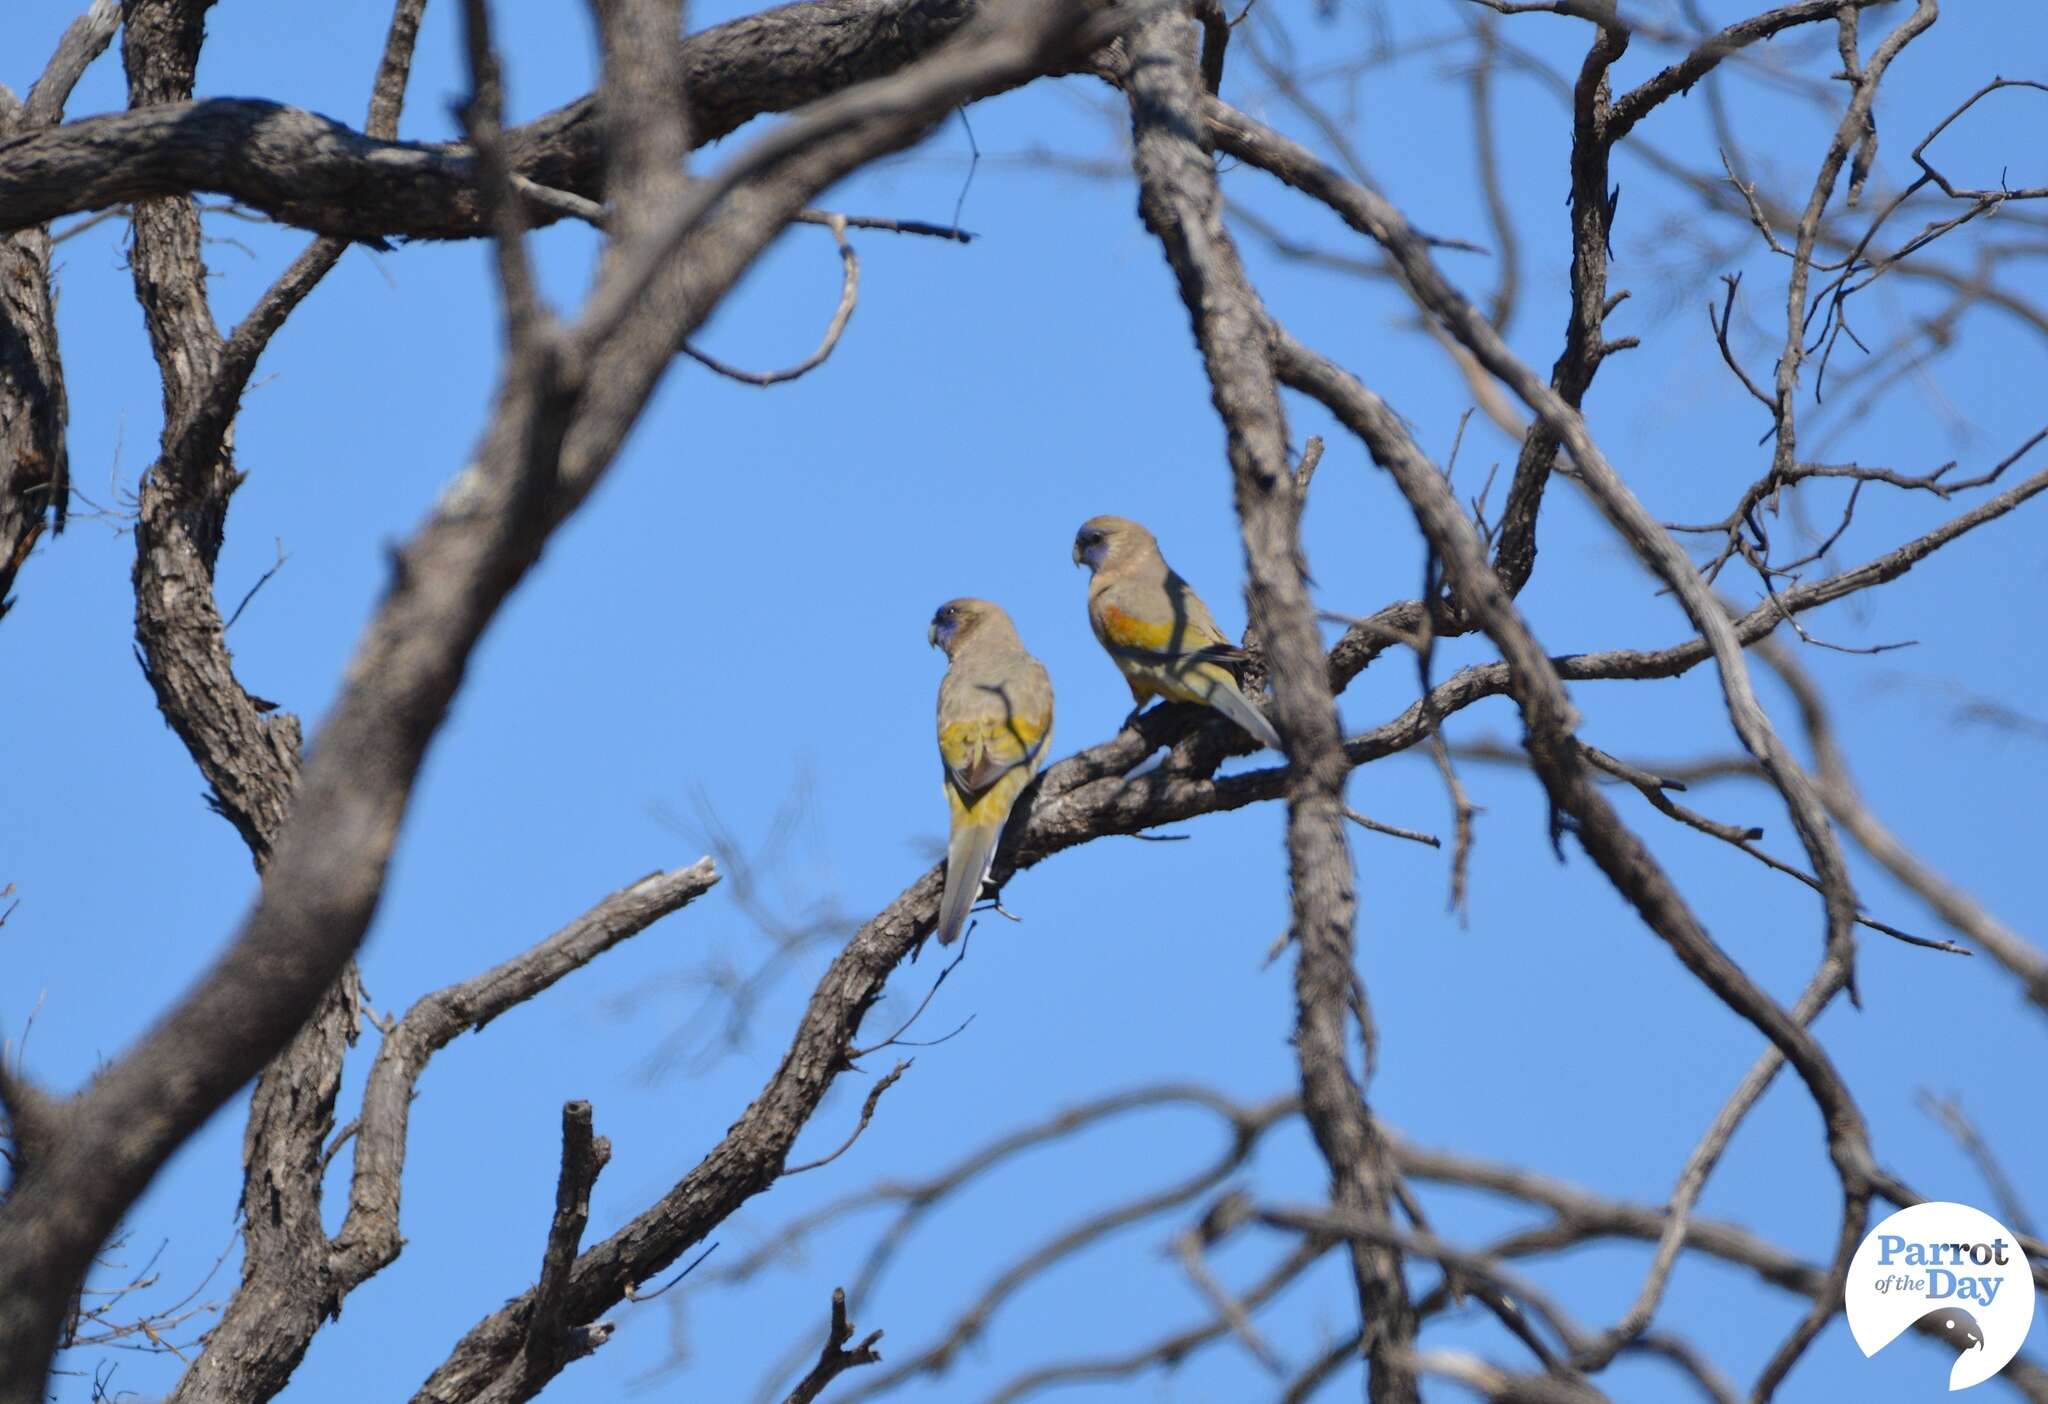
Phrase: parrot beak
(931, 634)
(1077, 553)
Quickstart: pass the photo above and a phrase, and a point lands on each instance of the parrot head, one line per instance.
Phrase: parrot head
(956, 621)
(1102, 539)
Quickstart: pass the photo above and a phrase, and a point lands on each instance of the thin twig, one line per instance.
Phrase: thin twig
(835, 1359)
(867, 1114)
(261, 581)
(849, 294)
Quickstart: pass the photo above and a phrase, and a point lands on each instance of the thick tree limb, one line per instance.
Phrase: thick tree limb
(307, 170)
(34, 462)
(369, 1237)
(1179, 201)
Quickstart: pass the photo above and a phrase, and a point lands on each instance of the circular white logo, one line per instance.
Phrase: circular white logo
(1951, 1271)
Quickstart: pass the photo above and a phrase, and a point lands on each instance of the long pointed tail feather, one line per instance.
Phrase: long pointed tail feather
(969, 853)
(1233, 704)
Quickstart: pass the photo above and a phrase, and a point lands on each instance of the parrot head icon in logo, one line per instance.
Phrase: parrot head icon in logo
(1944, 1271)
(1957, 1326)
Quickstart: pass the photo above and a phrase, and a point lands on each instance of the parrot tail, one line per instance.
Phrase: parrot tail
(1229, 701)
(969, 855)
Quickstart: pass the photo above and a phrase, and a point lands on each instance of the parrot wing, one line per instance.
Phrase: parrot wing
(978, 751)
(1166, 638)
(971, 849)
(992, 737)
(1161, 625)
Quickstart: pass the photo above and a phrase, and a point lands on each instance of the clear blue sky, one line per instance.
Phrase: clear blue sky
(740, 612)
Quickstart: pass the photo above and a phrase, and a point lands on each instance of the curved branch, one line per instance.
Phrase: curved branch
(1181, 204)
(369, 1236)
(307, 170)
(849, 294)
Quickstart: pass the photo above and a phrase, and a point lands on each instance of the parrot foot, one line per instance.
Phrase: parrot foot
(994, 903)
(1132, 719)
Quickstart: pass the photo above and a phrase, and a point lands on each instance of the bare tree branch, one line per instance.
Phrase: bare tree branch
(34, 460)
(307, 170)
(867, 1114)
(550, 1342)
(1180, 203)
(369, 1237)
(835, 1360)
(2027, 962)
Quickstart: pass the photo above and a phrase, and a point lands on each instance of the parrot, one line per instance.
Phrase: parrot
(995, 727)
(1156, 630)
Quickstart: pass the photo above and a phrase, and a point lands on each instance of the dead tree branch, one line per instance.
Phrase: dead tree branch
(35, 481)
(835, 1360)
(1180, 203)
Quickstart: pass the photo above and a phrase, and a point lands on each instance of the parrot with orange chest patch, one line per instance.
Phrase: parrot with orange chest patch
(1156, 630)
(995, 728)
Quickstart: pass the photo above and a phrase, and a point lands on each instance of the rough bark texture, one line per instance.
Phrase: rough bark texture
(35, 478)
(307, 170)
(1180, 204)
(1592, 225)
(248, 752)
(34, 469)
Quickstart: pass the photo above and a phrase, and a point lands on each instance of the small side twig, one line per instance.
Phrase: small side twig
(1741, 836)
(867, 1114)
(584, 1154)
(1305, 471)
(1949, 1112)
(261, 581)
(1225, 1215)
(1392, 831)
(634, 1294)
(849, 295)
(855, 1054)
(835, 1359)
